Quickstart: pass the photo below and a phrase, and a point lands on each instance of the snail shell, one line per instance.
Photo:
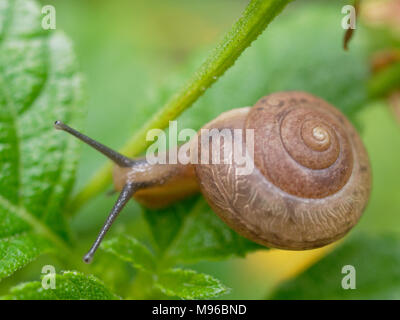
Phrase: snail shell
(311, 179)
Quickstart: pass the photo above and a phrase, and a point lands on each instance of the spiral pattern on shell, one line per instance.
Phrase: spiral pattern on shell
(311, 178)
(303, 145)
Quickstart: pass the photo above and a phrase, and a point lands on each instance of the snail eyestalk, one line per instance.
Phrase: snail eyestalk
(126, 193)
(113, 155)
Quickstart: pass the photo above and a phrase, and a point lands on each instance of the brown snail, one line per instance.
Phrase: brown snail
(310, 183)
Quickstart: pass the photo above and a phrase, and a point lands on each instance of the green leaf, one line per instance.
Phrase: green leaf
(15, 252)
(188, 284)
(185, 284)
(68, 286)
(166, 223)
(195, 233)
(375, 259)
(39, 83)
(131, 250)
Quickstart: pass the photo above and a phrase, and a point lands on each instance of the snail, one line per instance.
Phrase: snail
(309, 185)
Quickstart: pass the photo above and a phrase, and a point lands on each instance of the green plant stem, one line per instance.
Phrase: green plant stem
(257, 15)
(385, 81)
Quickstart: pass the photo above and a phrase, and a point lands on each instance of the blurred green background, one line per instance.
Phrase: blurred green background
(134, 54)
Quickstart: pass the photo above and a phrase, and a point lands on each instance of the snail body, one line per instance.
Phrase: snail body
(309, 185)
